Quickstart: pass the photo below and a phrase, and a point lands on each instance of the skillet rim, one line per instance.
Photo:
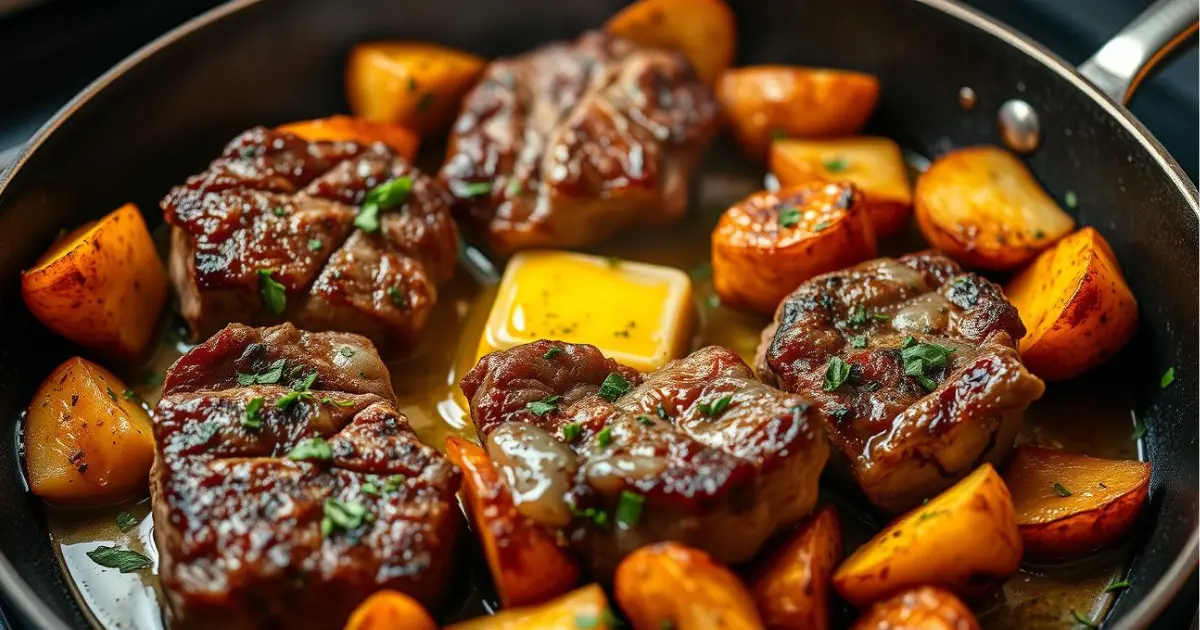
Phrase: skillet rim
(30, 607)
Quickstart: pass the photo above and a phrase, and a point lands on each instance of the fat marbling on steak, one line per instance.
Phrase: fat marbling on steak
(569, 143)
(915, 364)
(251, 534)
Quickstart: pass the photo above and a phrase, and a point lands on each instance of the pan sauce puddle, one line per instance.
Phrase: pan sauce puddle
(1090, 415)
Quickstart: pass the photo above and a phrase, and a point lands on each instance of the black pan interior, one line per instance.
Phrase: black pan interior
(273, 61)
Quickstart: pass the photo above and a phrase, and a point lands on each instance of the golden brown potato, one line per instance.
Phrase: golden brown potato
(413, 84)
(924, 608)
(390, 610)
(703, 30)
(764, 103)
(767, 244)
(350, 129)
(1075, 305)
(584, 607)
(792, 588)
(1069, 504)
(101, 286)
(874, 165)
(526, 563)
(983, 207)
(965, 539)
(670, 585)
(88, 441)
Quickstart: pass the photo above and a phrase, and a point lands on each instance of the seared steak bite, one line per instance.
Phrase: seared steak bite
(268, 234)
(914, 362)
(287, 487)
(571, 142)
(690, 453)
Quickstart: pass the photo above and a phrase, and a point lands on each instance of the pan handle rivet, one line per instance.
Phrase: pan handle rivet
(967, 98)
(1019, 126)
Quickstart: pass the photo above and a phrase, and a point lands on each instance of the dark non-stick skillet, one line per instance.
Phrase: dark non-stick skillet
(162, 113)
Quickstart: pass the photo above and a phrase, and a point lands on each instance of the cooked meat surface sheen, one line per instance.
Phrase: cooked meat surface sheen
(907, 423)
(573, 141)
(708, 448)
(273, 202)
(239, 524)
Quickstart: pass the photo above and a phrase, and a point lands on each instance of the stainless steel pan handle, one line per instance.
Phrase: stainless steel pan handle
(1121, 64)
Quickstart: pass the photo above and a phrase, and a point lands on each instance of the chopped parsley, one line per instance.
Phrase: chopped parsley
(599, 517)
(789, 216)
(313, 448)
(713, 301)
(279, 211)
(382, 197)
(646, 420)
(126, 521)
(1168, 377)
(836, 165)
(252, 419)
(821, 226)
(1070, 199)
(274, 296)
(836, 373)
(111, 394)
(472, 189)
(341, 403)
(543, 406)
(552, 352)
(614, 386)
(370, 488)
(859, 341)
(397, 297)
(586, 622)
(314, 245)
(702, 271)
(604, 438)
(629, 508)
(271, 376)
(129, 394)
(1117, 585)
(126, 560)
(346, 351)
(344, 515)
(928, 515)
(661, 411)
(922, 359)
(717, 406)
(514, 187)
(1081, 620)
(571, 431)
(1061, 490)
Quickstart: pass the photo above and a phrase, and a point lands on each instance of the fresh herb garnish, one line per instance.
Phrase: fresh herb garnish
(314, 245)
(1039, 234)
(1081, 620)
(425, 102)
(252, 419)
(604, 438)
(151, 379)
(702, 271)
(857, 317)
(385, 196)
(571, 431)
(836, 165)
(586, 622)
(270, 377)
(514, 187)
(922, 359)
(821, 226)
(1061, 490)
(713, 301)
(346, 351)
(543, 406)
(344, 515)
(836, 373)
(393, 483)
(129, 394)
(126, 521)
(472, 189)
(552, 352)
(928, 515)
(644, 419)
(1168, 377)
(341, 403)
(859, 341)
(599, 517)
(111, 394)
(397, 297)
(306, 383)
(313, 448)
(370, 488)
(661, 411)
(274, 295)
(789, 216)
(629, 508)
(614, 386)
(126, 560)
(715, 407)
(1070, 199)
(1117, 586)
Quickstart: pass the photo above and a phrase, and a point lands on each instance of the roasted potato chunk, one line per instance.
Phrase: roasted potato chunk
(413, 84)
(964, 539)
(925, 608)
(526, 563)
(390, 610)
(874, 165)
(350, 129)
(1067, 503)
(101, 286)
(792, 587)
(764, 103)
(1075, 305)
(703, 30)
(983, 207)
(88, 440)
(584, 607)
(770, 242)
(671, 585)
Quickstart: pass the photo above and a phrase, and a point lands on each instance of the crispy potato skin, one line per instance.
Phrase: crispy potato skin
(350, 129)
(875, 165)
(703, 30)
(983, 207)
(1075, 305)
(925, 608)
(765, 102)
(1105, 499)
(792, 588)
(101, 286)
(964, 539)
(414, 84)
(583, 607)
(757, 261)
(390, 610)
(85, 444)
(527, 565)
(671, 585)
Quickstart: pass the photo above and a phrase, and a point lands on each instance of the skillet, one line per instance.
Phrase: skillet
(162, 113)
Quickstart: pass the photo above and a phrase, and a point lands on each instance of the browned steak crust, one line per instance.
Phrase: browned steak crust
(238, 524)
(904, 440)
(273, 201)
(571, 142)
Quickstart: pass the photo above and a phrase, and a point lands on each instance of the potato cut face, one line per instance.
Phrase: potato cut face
(703, 30)
(685, 587)
(583, 607)
(349, 129)
(791, 589)
(413, 84)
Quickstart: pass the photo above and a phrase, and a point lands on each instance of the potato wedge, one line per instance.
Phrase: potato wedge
(88, 440)
(526, 563)
(584, 607)
(671, 585)
(1068, 504)
(350, 129)
(1075, 305)
(792, 588)
(390, 610)
(983, 207)
(101, 286)
(767, 244)
(703, 30)
(924, 608)
(414, 84)
(964, 539)
(764, 103)
(874, 165)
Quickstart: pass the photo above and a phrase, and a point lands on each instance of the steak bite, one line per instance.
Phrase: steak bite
(915, 364)
(268, 233)
(690, 452)
(569, 143)
(287, 487)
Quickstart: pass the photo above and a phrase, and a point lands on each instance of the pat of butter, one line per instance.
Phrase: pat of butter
(635, 313)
